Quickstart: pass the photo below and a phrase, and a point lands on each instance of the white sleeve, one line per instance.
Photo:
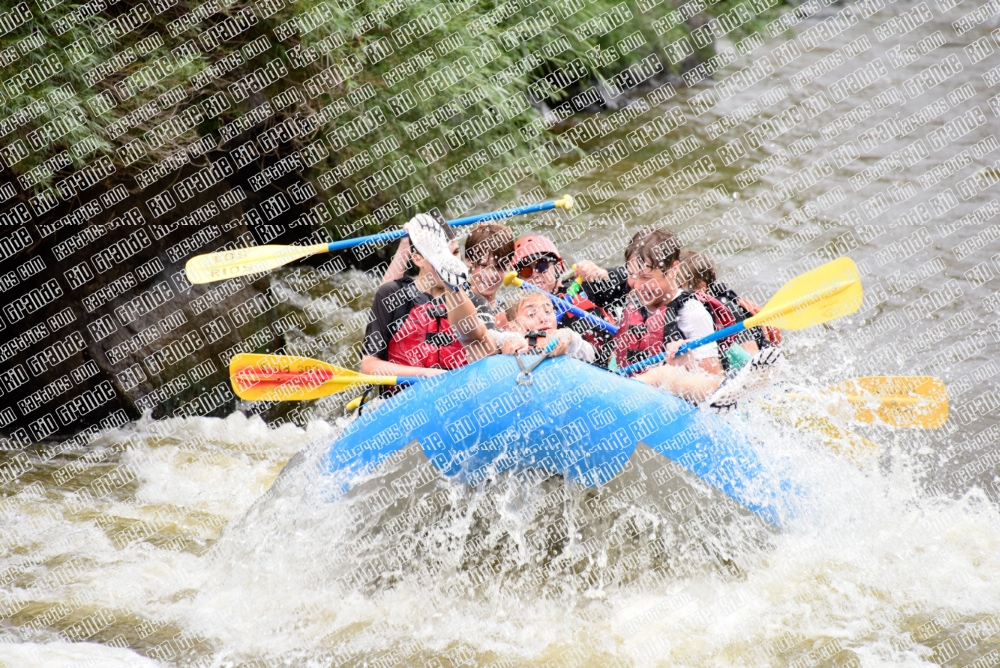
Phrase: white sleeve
(501, 335)
(580, 349)
(695, 321)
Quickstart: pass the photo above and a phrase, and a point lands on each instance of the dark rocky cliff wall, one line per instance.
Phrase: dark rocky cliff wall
(99, 323)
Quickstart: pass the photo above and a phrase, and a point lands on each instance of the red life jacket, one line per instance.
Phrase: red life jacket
(601, 339)
(722, 317)
(642, 334)
(426, 338)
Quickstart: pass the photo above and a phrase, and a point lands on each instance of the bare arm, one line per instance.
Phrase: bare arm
(709, 365)
(397, 267)
(464, 320)
(680, 382)
(373, 366)
(588, 271)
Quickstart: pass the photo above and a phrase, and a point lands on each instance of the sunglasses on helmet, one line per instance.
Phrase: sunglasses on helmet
(528, 270)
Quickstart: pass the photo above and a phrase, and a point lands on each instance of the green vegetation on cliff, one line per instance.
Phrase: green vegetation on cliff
(385, 107)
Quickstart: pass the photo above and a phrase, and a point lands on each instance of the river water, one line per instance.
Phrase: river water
(161, 544)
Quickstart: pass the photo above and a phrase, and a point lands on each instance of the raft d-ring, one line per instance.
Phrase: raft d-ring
(523, 378)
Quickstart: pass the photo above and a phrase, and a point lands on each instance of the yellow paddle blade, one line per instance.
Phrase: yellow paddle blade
(900, 401)
(287, 378)
(823, 294)
(245, 261)
(842, 441)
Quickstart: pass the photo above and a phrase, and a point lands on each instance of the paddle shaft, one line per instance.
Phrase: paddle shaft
(560, 303)
(389, 380)
(687, 347)
(458, 222)
(404, 380)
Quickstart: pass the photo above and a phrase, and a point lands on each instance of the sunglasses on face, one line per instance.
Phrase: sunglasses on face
(529, 270)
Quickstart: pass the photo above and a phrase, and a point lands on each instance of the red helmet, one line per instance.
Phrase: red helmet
(532, 247)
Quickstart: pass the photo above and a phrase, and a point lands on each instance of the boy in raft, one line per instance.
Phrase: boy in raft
(733, 357)
(532, 311)
(659, 316)
(537, 261)
(489, 253)
(700, 276)
(426, 325)
(489, 248)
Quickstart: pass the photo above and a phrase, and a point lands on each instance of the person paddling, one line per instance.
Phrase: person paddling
(425, 325)
(701, 276)
(537, 261)
(659, 315)
(489, 248)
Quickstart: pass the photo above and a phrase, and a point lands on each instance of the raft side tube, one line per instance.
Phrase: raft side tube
(573, 419)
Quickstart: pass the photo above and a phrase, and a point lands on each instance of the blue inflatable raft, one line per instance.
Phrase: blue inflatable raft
(632, 442)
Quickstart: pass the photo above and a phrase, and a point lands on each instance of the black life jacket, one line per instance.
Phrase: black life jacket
(764, 337)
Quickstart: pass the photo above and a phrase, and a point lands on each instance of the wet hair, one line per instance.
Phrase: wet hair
(697, 267)
(519, 299)
(488, 238)
(658, 248)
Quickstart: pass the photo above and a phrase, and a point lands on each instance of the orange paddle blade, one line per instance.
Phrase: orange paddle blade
(899, 401)
(258, 377)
